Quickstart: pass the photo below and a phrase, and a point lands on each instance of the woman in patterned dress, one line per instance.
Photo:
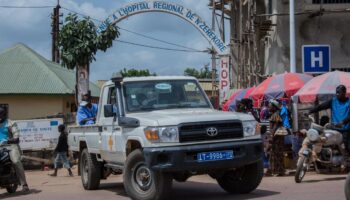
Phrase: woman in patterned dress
(276, 166)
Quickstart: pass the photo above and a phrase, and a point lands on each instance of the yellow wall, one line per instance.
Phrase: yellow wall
(36, 106)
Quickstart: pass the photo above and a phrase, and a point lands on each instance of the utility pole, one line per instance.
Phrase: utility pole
(213, 56)
(292, 36)
(55, 33)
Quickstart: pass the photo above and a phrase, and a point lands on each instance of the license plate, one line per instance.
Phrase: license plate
(214, 156)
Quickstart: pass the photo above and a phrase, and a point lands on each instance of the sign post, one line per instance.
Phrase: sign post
(224, 77)
(316, 59)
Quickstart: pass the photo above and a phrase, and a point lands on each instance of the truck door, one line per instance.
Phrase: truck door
(111, 149)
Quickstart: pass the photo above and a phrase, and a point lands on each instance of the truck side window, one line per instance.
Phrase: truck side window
(112, 97)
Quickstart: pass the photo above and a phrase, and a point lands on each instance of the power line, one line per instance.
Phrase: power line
(98, 20)
(162, 48)
(159, 40)
(2, 6)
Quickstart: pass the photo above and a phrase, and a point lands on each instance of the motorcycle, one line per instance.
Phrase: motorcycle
(325, 150)
(347, 188)
(8, 175)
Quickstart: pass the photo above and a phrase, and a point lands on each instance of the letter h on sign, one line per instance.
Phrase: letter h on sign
(316, 59)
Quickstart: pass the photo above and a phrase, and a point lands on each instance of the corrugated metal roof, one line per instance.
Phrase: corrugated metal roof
(23, 71)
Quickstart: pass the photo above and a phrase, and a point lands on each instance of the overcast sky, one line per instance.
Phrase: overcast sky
(32, 27)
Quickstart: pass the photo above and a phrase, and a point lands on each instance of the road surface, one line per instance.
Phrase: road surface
(197, 188)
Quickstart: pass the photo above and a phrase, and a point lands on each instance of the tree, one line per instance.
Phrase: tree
(79, 43)
(134, 72)
(204, 72)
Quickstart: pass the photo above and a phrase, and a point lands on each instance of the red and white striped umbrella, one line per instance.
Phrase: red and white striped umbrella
(323, 87)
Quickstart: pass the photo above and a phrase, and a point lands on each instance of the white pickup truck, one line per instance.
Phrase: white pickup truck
(156, 129)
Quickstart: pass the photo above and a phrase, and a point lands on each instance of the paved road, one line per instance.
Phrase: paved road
(197, 188)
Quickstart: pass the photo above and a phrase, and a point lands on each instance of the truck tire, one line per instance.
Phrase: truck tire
(242, 180)
(90, 170)
(141, 183)
(347, 188)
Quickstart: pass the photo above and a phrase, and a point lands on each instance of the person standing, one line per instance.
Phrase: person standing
(62, 151)
(10, 137)
(87, 111)
(276, 166)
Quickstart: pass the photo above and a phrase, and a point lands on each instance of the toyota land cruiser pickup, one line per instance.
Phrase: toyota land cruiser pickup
(156, 129)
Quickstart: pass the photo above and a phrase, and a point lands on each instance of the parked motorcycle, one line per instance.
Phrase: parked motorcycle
(8, 176)
(325, 150)
(347, 188)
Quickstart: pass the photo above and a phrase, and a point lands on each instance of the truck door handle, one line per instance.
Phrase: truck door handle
(116, 129)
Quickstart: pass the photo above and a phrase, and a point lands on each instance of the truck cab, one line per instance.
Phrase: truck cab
(156, 129)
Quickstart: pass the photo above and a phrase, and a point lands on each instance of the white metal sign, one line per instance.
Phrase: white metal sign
(224, 77)
(38, 134)
(171, 8)
(316, 58)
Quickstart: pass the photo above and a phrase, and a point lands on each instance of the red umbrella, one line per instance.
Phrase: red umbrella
(278, 86)
(323, 87)
(225, 106)
(242, 94)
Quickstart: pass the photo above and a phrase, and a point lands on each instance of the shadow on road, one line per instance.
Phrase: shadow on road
(325, 179)
(203, 191)
(118, 188)
(16, 194)
(194, 190)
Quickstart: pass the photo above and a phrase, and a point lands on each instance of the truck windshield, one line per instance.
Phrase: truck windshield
(159, 95)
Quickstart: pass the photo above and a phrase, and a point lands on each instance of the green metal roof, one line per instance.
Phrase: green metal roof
(23, 71)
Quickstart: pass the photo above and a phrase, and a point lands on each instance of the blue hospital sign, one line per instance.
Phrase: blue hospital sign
(316, 59)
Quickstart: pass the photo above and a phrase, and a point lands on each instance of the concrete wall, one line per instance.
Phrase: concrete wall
(331, 29)
(36, 106)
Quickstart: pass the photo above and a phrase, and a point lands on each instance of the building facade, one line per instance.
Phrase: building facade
(318, 22)
(33, 87)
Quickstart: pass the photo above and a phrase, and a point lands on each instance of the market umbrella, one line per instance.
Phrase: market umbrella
(323, 87)
(278, 86)
(226, 105)
(242, 94)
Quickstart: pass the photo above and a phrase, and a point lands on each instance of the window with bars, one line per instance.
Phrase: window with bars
(330, 1)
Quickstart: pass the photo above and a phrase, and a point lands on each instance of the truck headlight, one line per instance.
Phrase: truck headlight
(249, 128)
(162, 134)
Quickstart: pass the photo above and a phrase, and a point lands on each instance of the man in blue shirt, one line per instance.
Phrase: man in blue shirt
(87, 111)
(9, 137)
(340, 111)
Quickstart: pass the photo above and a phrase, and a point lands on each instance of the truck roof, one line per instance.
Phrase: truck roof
(152, 78)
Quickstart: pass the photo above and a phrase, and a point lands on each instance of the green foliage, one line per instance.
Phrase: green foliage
(205, 72)
(135, 73)
(79, 41)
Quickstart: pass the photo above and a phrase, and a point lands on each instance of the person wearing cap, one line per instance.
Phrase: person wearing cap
(276, 166)
(9, 137)
(340, 113)
(87, 111)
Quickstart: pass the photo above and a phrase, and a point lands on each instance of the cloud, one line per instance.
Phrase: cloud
(33, 27)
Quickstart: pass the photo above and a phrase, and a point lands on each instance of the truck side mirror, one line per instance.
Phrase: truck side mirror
(128, 122)
(108, 110)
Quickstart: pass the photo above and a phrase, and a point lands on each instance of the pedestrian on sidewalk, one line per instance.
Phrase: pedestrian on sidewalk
(278, 132)
(62, 150)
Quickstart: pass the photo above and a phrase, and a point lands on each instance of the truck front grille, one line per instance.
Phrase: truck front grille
(198, 131)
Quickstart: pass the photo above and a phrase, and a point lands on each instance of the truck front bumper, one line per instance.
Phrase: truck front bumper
(184, 158)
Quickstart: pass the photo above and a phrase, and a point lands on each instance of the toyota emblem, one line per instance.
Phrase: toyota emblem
(212, 131)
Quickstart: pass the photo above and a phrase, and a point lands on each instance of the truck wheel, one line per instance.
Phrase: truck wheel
(347, 188)
(90, 170)
(242, 180)
(141, 183)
